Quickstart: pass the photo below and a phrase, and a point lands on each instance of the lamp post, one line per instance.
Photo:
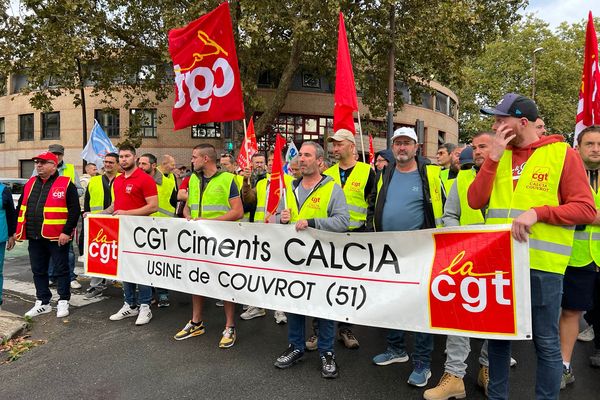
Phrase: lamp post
(533, 73)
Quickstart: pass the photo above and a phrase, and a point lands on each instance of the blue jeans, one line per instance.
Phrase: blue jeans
(423, 345)
(131, 296)
(546, 295)
(297, 336)
(72, 275)
(2, 251)
(41, 251)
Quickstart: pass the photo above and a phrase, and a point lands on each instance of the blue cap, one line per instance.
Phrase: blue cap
(466, 156)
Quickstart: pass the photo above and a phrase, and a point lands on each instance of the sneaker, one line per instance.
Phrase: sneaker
(75, 284)
(38, 309)
(595, 358)
(312, 343)
(346, 336)
(449, 386)
(389, 357)
(513, 362)
(280, 317)
(62, 309)
(80, 259)
(329, 368)
(93, 292)
(219, 303)
(51, 283)
(144, 316)
(289, 357)
(125, 312)
(245, 307)
(228, 339)
(163, 301)
(586, 335)
(420, 375)
(253, 312)
(483, 378)
(567, 377)
(190, 330)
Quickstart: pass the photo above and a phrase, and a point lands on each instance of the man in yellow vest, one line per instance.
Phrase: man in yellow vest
(539, 186)
(98, 197)
(211, 195)
(444, 159)
(167, 202)
(409, 197)
(330, 215)
(48, 213)
(581, 276)
(167, 168)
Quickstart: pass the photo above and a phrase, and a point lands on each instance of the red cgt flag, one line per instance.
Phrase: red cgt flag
(588, 108)
(207, 77)
(277, 181)
(371, 152)
(345, 91)
(249, 147)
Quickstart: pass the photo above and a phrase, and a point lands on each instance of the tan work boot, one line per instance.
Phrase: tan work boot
(449, 386)
(346, 336)
(483, 378)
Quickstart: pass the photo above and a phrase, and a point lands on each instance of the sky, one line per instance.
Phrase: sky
(556, 11)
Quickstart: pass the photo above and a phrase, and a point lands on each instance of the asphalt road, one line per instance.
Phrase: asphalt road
(86, 355)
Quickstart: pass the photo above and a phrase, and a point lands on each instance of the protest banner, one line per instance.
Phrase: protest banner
(471, 281)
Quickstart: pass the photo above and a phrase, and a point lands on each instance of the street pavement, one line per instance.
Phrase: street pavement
(86, 355)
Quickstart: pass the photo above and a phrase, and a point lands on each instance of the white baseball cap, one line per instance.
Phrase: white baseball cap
(405, 131)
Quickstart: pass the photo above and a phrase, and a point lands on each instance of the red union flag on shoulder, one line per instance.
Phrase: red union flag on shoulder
(588, 108)
(207, 77)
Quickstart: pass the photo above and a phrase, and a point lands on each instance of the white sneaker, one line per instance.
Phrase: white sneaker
(75, 284)
(125, 312)
(62, 309)
(513, 362)
(145, 315)
(253, 312)
(280, 317)
(38, 309)
(586, 335)
(80, 259)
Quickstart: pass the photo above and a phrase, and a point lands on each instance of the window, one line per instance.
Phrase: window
(441, 102)
(26, 168)
(19, 81)
(26, 127)
(311, 81)
(2, 130)
(144, 120)
(441, 138)
(210, 130)
(51, 125)
(109, 120)
(3, 88)
(426, 100)
(453, 109)
(404, 91)
(266, 79)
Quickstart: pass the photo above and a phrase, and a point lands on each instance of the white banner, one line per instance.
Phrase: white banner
(471, 281)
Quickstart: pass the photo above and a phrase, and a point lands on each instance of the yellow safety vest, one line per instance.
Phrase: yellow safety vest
(165, 190)
(549, 245)
(354, 190)
(468, 216)
(95, 189)
(215, 198)
(586, 243)
(315, 205)
(69, 171)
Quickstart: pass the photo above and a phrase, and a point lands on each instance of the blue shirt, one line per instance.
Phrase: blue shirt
(403, 207)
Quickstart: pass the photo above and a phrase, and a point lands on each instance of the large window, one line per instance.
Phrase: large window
(441, 102)
(441, 138)
(311, 81)
(453, 109)
(145, 120)
(51, 125)
(26, 127)
(109, 120)
(26, 168)
(2, 130)
(210, 130)
(426, 100)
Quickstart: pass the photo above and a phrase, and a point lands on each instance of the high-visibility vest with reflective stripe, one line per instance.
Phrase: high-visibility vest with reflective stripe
(586, 243)
(549, 245)
(315, 205)
(354, 190)
(69, 171)
(165, 190)
(215, 199)
(96, 192)
(435, 192)
(55, 209)
(468, 216)
(261, 195)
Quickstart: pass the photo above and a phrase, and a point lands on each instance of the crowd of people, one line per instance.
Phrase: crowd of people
(515, 173)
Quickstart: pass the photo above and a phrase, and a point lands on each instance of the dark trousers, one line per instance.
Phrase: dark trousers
(40, 253)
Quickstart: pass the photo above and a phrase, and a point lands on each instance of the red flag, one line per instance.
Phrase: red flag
(276, 181)
(249, 147)
(588, 108)
(345, 91)
(207, 77)
(371, 152)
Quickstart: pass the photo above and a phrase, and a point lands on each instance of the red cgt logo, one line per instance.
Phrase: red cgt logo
(103, 246)
(471, 285)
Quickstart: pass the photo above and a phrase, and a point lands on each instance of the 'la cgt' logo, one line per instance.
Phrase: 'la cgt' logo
(103, 246)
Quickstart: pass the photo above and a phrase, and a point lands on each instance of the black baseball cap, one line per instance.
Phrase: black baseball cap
(514, 105)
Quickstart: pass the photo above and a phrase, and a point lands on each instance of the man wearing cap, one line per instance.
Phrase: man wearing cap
(382, 159)
(48, 214)
(409, 197)
(539, 186)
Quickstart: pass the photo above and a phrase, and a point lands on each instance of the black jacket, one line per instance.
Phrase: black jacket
(375, 214)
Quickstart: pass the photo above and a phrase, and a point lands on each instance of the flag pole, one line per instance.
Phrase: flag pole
(362, 145)
(246, 148)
